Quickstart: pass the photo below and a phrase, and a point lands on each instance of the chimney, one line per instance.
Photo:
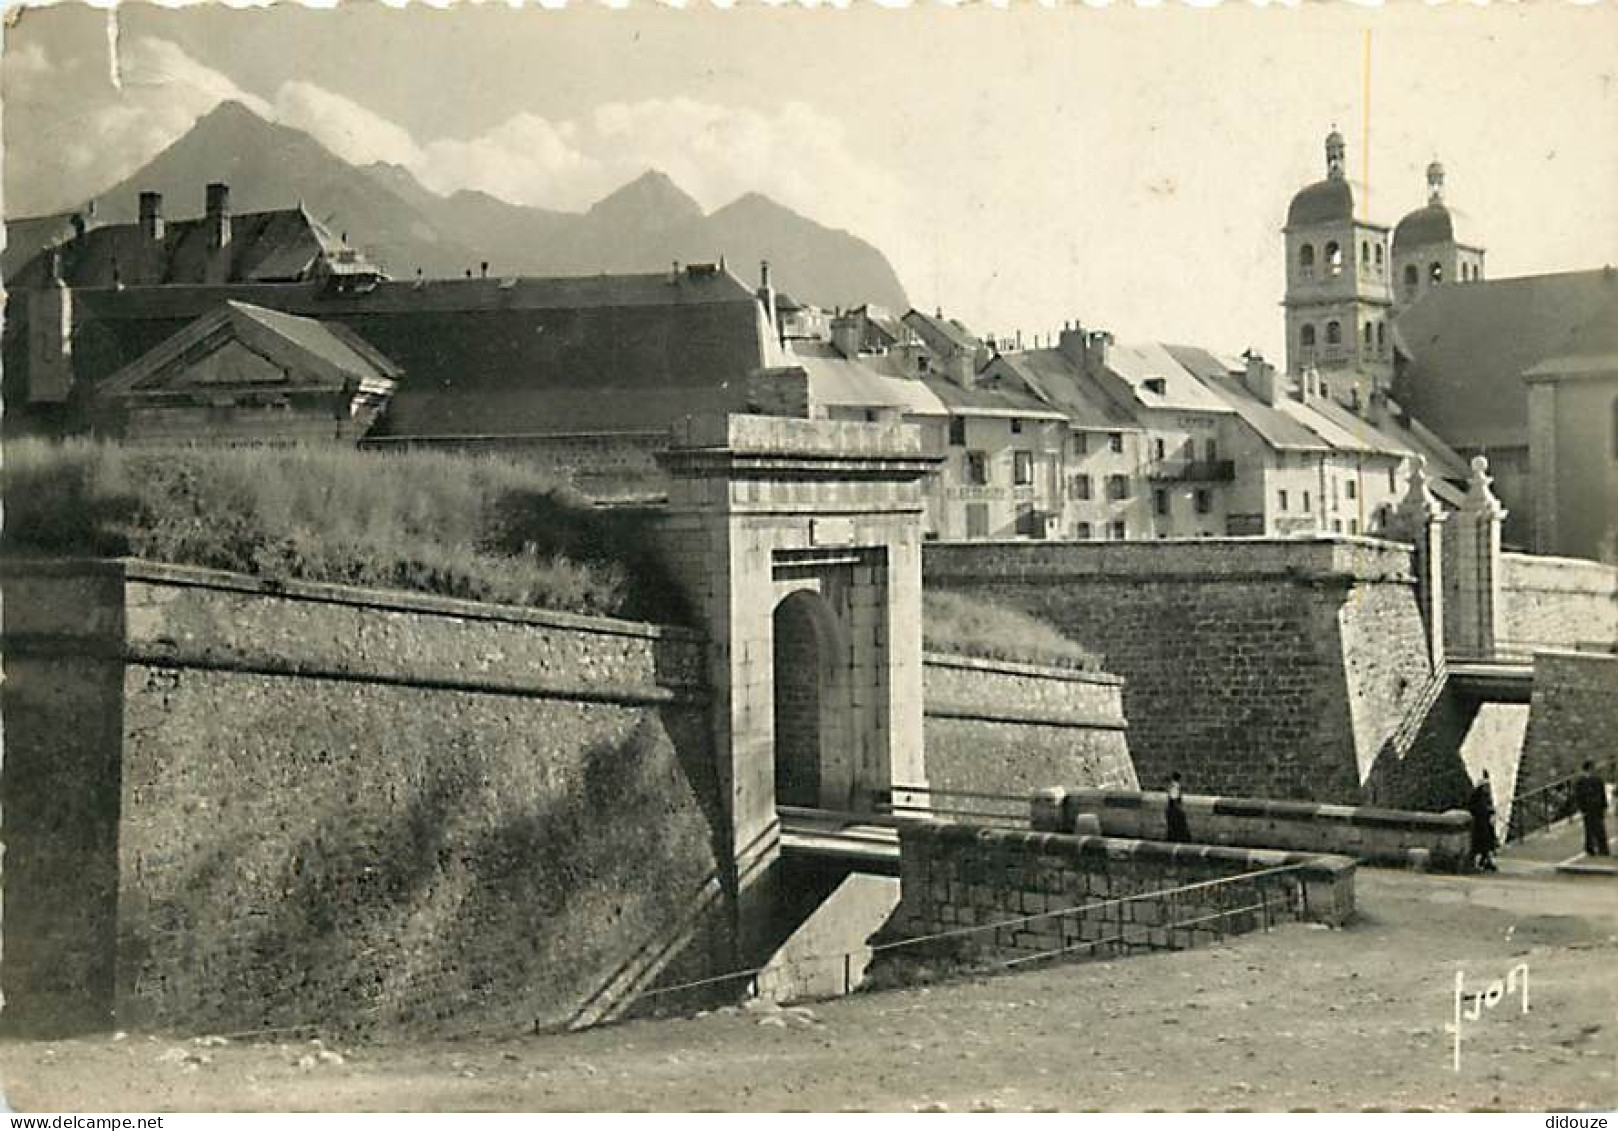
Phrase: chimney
(1095, 350)
(1260, 378)
(1071, 343)
(846, 332)
(151, 217)
(766, 297)
(218, 215)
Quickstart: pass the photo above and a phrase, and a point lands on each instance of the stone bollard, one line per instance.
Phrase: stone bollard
(1046, 810)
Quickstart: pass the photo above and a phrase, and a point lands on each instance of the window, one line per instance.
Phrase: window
(1393, 472)
(921, 363)
(957, 431)
(1615, 428)
(1306, 260)
(1083, 532)
(1353, 526)
(1379, 258)
(1115, 441)
(1412, 279)
(1117, 486)
(1022, 469)
(1283, 498)
(1382, 337)
(1160, 501)
(1081, 487)
(977, 469)
(1306, 502)
(1306, 336)
(1157, 385)
(1334, 333)
(1336, 526)
(1368, 339)
(1159, 449)
(1334, 260)
(1016, 425)
(1435, 271)
(1204, 500)
(1119, 531)
(1188, 450)
(1210, 449)
(1351, 488)
(1365, 257)
(1081, 444)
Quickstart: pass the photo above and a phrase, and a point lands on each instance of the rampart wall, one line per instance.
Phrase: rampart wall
(994, 726)
(1558, 602)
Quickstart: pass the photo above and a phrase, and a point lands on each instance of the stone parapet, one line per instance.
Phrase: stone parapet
(1400, 838)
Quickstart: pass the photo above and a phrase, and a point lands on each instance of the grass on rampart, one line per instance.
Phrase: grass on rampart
(973, 626)
(475, 528)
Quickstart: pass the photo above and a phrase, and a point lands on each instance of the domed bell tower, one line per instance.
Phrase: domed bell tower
(1429, 248)
(1337, 298)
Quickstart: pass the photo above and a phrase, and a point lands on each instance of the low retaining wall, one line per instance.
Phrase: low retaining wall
(994, 726)
(231, 805)
(1024, 884)
(1378, 836)
(1557, 602)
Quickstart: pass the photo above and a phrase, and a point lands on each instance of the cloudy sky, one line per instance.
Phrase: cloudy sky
(1019, 167)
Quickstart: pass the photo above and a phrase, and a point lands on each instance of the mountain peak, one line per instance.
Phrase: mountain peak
(651, 197)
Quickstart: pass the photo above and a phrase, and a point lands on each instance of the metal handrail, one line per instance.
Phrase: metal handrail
(1546, 805)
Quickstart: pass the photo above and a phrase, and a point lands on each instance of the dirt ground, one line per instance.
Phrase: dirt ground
(1303, 1018)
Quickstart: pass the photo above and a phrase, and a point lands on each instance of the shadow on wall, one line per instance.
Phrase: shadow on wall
(455, 908)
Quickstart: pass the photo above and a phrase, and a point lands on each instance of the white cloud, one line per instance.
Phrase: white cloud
(343, 126)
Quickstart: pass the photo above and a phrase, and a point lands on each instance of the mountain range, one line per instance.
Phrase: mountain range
(396, 221)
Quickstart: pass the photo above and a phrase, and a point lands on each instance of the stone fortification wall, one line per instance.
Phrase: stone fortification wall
(231, 805)
(1558, 603)
(993, 726)
(1573, 717)
(1255, 667)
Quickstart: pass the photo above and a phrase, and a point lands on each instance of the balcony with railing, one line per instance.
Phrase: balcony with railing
(1192, 471)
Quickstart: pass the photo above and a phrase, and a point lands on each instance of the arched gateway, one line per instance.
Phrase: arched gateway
(799, 542)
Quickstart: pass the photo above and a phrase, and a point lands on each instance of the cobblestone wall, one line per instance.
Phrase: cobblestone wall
(954, 877)
(1264, 668)
(323, 806)
(1558, 602)
(1000, 727)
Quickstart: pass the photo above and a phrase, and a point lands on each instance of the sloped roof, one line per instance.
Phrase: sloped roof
(279, 246)
(27, 236)
(309, 353)
(1139, 363)
(1282, 425)
(1055, 379)
(492, 357)
(950, 330)
(1465, 347)
(840, 381)
(986, 400)
(1363, 436)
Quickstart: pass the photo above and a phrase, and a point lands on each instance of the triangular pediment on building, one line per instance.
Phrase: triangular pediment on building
(238, 347)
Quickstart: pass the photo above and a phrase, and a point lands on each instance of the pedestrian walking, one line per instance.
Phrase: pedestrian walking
(1179, 829)
(1590, 795)
(1484, 840)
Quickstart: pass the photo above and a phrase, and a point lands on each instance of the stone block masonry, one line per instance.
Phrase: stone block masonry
(1558, 603)
(999, 727)
(231, 805)
(1436, 841)
(1255, 667)
(1020, 886)
(1573, 717)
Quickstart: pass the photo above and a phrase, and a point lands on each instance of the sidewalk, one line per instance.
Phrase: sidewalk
(1559, 848)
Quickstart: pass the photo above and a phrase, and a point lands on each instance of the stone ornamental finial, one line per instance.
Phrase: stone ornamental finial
(1480, 498)
(1419, 506)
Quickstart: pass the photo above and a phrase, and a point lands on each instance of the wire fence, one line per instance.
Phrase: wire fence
(1215, 909)
(1551, 803)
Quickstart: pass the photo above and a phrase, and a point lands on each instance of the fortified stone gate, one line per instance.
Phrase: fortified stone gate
(799, 543)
